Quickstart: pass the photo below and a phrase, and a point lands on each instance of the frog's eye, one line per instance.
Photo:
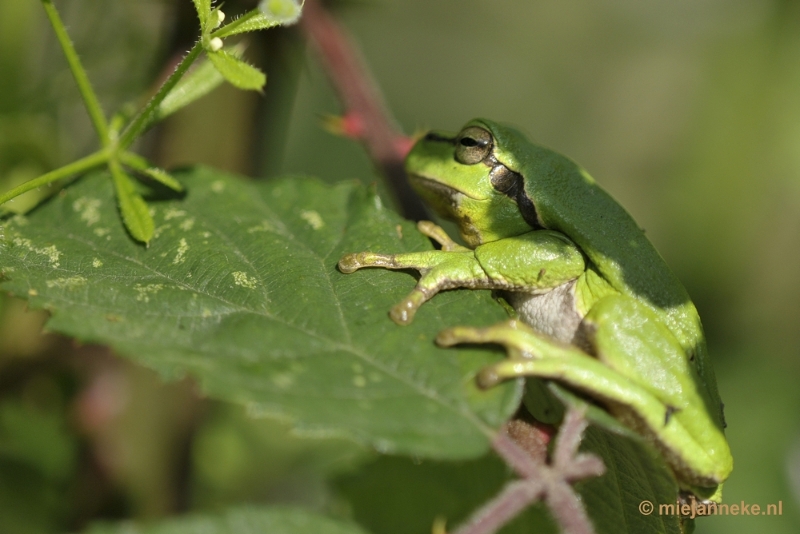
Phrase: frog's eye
(472, 145)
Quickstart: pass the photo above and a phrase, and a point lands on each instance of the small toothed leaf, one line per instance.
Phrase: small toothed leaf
(282, 13)
(163, 177)
(236, 71)
(203, 8)
(132, 206)
(139, 164)
(200, 81)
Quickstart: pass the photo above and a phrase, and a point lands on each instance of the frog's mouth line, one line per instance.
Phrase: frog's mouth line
(438, 187)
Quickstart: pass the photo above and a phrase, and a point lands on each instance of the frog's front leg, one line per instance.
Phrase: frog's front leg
(531, 262)
(439, 270)
(532, 354)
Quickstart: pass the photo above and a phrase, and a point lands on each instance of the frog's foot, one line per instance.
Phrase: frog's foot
(437, 233)
(526, 349)
(439, 270)
(513, 335)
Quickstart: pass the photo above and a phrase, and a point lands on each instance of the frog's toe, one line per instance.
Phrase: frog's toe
(404, 312)
(349, 263)
(456, 335)
(488, 377)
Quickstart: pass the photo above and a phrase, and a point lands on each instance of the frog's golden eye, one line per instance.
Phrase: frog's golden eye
(472, 145)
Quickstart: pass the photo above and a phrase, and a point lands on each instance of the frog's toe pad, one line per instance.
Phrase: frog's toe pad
(403, 313)
(460, 334)
(447, 338)
(350, 263)
(488, 378)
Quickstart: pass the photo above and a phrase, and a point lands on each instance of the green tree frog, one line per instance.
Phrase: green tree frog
(598, 309)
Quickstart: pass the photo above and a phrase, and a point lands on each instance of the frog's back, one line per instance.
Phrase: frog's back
(568, 200)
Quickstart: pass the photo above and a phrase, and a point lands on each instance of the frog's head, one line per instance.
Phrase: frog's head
(461, 177)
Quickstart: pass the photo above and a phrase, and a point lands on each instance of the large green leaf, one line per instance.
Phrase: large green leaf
(423, 491)
(245, 520)
(636, 477)
(239, 288)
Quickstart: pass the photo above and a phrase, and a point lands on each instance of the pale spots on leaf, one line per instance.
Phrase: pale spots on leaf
(71, 282)
(188, 224)
(144, 291)
(283, 380)
(180, 256)
(241, 279)
(206, 234)
(375, 377)
(32, 292)
(52, 253)
(359, 381)
(89, 208)
(377, 202)
(172, 213)
(399, 230)
(160, 229)
(264, 226)
(297, 367)
(206, 313)
(313, 218)
(218, 186)
(100, 232)
(96, 263)
(19, 220)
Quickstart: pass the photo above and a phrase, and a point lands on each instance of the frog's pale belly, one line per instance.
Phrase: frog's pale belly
(552, 313)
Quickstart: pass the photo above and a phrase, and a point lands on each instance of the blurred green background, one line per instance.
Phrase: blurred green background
(687, 111)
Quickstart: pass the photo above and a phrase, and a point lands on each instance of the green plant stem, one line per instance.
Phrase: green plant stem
(142, 120)
(76, 167)
(231, 27)
(78, 72)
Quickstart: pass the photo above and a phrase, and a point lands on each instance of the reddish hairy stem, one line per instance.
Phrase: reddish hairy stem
(385, 144)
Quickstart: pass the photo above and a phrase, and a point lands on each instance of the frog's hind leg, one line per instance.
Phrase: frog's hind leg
(531, 353)
(675, 422)
(534, 354)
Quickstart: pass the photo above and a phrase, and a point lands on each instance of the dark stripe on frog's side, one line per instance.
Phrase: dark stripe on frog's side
(512, 184)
